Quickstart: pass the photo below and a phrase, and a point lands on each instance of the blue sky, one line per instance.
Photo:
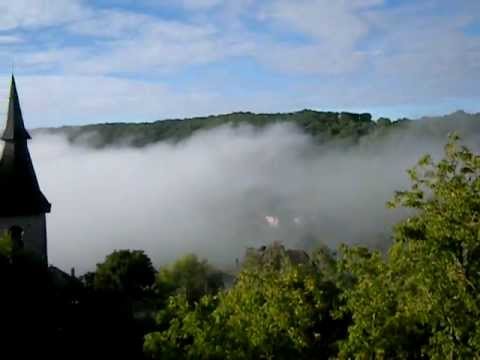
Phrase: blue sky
(83, 61)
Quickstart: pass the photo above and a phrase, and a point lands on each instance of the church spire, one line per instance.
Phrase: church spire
(15, 128)
(20, 193)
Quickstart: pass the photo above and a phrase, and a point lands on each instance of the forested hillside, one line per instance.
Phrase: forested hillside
(347, 128)
(322, 125)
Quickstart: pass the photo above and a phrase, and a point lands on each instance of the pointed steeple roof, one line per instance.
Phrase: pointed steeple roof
(20, 194)
(15, 128)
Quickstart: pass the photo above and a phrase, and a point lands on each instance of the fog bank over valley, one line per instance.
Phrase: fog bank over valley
(220, 191)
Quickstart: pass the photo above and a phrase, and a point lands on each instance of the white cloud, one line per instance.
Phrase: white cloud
(47, 59)
(10, 39)
(333, 30)
(126, 42)
(65, 99)
(426, 58)
(309, 59)
(357, 53)
(151, 55)
(38, 13)
(336, 23)
(59, 100)
(161, 45)
(110, 24)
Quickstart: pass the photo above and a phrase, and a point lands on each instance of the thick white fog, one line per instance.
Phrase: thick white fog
(210, 194)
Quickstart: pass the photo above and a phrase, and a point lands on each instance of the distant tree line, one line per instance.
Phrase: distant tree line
(324, 126)
(321, 125)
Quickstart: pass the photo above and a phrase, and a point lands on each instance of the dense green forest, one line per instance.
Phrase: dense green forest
(324, 127)
(419, 299)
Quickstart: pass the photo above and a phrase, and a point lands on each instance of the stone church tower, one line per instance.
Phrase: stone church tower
(22, 204)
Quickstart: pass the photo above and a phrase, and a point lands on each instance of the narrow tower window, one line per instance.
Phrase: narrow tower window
(16, 233)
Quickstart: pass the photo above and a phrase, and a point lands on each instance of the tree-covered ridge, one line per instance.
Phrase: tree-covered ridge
(348, 128)
(322, 125)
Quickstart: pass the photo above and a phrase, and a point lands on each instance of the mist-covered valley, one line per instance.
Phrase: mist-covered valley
(223, 189)
(209, 179)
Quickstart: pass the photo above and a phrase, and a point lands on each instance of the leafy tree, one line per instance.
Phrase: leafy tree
(191, 275)
(115, 305)
(271, 313)
(422, 299)
(6, 246)
(383, 121)
(126, 272)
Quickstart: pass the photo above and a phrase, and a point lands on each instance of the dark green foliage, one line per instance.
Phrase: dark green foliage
(422, 300)
(340, 128)
(127, 272)
(119, 297)
(323, 126)
(45, 313)
(191, 276)
(114, 307)
(276, 310)
(383, 122)
(6, 247)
